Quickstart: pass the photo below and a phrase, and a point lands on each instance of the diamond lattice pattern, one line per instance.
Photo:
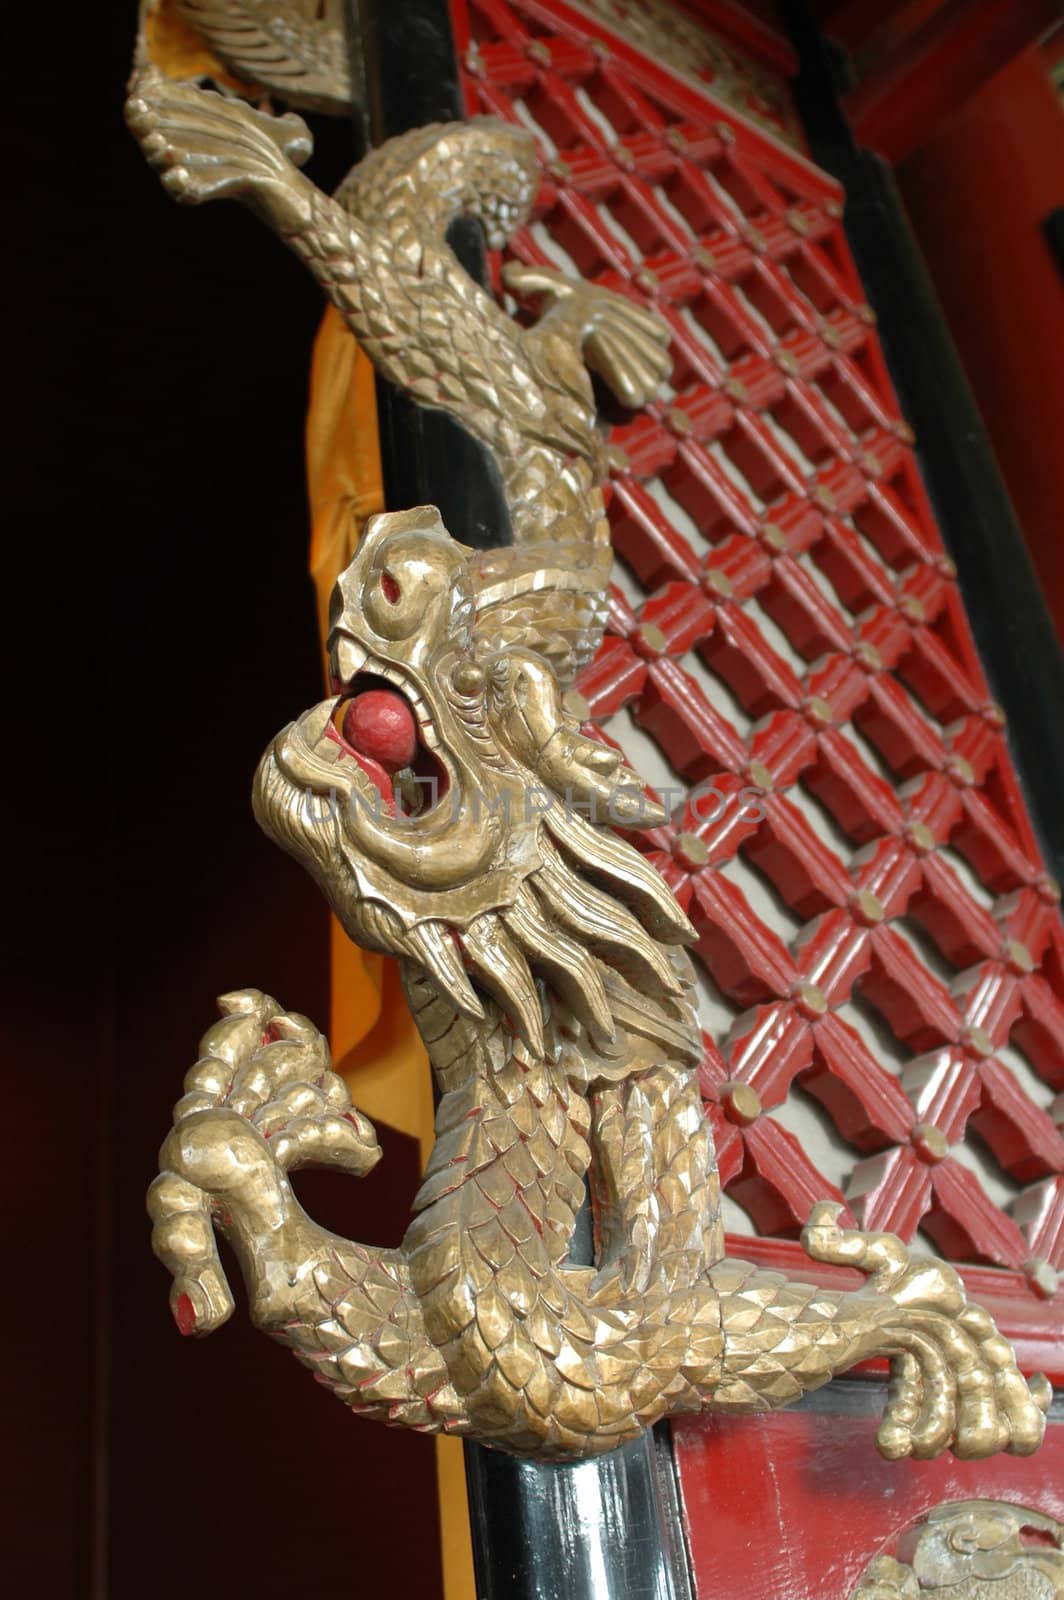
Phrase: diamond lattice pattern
(789, 663)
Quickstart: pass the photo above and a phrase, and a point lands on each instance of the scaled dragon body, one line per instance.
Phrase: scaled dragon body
(542, 956)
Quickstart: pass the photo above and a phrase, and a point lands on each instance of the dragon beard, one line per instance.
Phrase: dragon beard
(558, 903)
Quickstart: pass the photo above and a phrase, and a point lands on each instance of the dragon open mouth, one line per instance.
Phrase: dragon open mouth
(382, 723)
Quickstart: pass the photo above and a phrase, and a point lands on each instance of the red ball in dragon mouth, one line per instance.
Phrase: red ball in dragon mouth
(380, 724)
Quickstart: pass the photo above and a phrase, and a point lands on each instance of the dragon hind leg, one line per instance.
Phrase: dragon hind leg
(954, 1382)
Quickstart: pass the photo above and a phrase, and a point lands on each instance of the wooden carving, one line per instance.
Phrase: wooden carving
(456, 817)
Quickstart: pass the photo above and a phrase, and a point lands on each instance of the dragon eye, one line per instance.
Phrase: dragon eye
(390, 589)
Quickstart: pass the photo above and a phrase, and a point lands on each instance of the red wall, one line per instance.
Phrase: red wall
(977, 194)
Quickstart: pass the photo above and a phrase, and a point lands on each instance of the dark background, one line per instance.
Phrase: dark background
(159, 628)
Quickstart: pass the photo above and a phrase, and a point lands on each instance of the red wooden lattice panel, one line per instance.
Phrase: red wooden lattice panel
(788, 656)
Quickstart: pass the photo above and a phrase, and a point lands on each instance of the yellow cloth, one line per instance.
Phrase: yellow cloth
(178, 50)
(374, 1041)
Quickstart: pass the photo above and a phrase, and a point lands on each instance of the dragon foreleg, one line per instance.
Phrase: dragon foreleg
(261, 1102)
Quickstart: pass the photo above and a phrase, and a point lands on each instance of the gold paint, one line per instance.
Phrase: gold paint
(819, 711)
(869, 907)
(1042, 1276)
(541, 954)
(741, 1103)
(971, 1548)
(649, 640)
(691, 851)
(920, 837)
(929, 1142)
(717, 582)
(978, 1041)
(811, 998)
(574, 703)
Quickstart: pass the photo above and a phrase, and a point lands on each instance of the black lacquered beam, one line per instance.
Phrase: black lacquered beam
(411, 77)
(608, 1529)
(603, 1530)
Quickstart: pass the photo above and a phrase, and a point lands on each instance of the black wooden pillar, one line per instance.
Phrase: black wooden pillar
(608, 1529)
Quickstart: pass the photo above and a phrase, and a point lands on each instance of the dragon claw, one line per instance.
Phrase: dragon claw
(262, 1098)
(954, 1380)
(206, 146)
(202, 1303)
(623, 342)
(273, 1068)
(1041, 1391)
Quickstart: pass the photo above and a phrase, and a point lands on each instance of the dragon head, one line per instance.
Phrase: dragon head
(478, 858)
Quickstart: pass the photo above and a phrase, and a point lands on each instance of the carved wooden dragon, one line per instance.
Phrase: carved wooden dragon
(542, 955)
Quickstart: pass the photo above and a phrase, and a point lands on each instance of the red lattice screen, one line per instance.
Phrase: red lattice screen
(883, 955)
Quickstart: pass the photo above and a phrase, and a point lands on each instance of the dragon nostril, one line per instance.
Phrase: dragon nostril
(390, 589)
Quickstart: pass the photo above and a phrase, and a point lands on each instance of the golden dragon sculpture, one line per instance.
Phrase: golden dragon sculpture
(456, 817)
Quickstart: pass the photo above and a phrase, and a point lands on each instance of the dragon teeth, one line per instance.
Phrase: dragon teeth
(349, 657)
(312, 724)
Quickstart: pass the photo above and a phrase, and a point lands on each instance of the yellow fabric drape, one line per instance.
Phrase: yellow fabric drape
(374, 1041)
